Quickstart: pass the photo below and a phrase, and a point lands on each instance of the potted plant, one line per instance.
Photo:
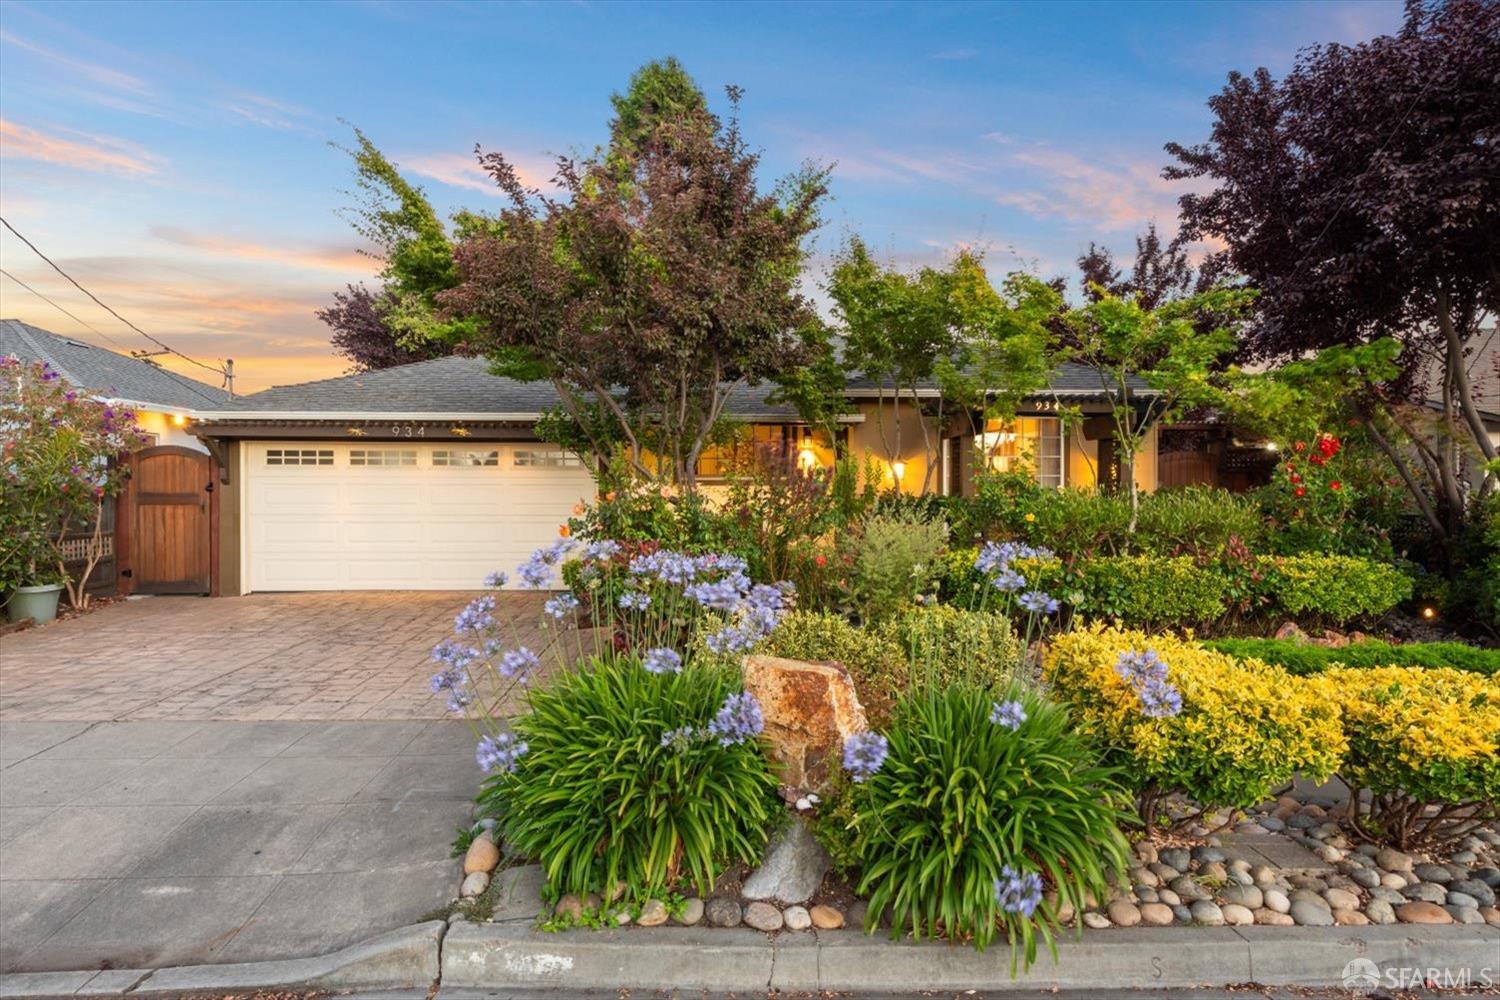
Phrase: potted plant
(57, 451)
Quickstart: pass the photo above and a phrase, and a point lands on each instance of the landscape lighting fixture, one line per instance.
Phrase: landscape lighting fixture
(898, 469)
(807, 459)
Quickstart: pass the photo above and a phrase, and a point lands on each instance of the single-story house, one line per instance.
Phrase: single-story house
(430, 475)
(157, 536)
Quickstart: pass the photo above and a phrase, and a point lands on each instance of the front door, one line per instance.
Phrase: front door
(171, 489)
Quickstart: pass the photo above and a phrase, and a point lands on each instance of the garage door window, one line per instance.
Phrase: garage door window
(299, 456)
(547, 458)
(465, 459)
(382, 456)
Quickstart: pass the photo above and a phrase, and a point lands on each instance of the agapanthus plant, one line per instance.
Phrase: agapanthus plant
(1003, 566)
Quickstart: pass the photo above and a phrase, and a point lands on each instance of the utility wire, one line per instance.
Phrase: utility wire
(54, 305)
(170, 350)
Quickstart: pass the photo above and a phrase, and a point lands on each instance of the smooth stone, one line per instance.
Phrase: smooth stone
(1491, 915)
(1189, 890)
(1350, 918)
(1145, 876)
(1207, 913)
(622, 918)
(1429, 872)
(1164, 872)
(474, 884)
(1388, 895)
(763, 916)
(1309, 896)
(1307, 882)
(1272, 823)
(1097, 921)
(653, 913)
(1393, 881)
(826, 918)
(1462, 899)
(1156, 915)
(1301, 822)
(1214, 870)
(482, 855)
(616, 891)
(1206, 855)
(723, 912)
(1182, 913)
(1169, 897)
(1380, 912)
(692, 912)
(797, 918)
(1464, 857)
(592, 902)
(1271, 918)
(1124, 914)
(1263, 874)
(1477, 888)
(1177, 857)
(1427, 892)
(1365, 878)
(1489, 876)
(569, 907)
(1247, 896)
(1146, 851)
(1308, 914)
(1146, 894)
(855, 917)
(1465, 914)
(1237, 915)
(1341, 899)
(1421, 911)
(1276, 900)
(1393, 860)
(793, 867)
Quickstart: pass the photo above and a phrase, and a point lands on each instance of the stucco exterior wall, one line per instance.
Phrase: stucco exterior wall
(167, 430)
(1083, 461)
(878, 438)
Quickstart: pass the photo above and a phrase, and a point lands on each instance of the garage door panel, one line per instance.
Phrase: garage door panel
(433, 527)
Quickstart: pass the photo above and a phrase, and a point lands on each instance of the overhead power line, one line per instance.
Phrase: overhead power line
(54, 305)
(221, 371)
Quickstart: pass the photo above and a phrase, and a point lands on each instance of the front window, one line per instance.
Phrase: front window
(1032, 444)
(811, 448)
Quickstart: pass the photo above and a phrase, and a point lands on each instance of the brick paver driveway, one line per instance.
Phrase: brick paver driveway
(310, 656)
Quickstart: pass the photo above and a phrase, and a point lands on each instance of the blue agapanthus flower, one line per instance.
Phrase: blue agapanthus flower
(1018, 892)
(476, 616)
(662, 661)
(496, 580)
(601, 551)
(1038, 603)
(680, 738)
(535, 573)
(738, 720)
(1009, 714)
(561, 606)
(1137, 667)
(635, 600)
(864, 753)
(1007, 581)
(500, 753)
(1159, 699)
(518, 664)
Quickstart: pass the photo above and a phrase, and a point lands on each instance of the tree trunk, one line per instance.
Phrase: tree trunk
(1458, 376)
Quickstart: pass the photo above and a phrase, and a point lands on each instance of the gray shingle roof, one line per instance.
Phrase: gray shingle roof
(105, 373)
(444, 385)
(1070, 379)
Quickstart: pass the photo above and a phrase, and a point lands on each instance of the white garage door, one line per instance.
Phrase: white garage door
(400, 516)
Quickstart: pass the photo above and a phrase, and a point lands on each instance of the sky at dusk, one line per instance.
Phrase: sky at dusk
(176, 158)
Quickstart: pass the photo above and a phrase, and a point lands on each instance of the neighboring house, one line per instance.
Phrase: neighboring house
(156, 536)
(430, 475)
(163, 401)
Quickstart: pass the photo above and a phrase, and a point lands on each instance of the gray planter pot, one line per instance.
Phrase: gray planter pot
(37, 603)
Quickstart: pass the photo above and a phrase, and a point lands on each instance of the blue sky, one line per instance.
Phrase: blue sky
(175, 158)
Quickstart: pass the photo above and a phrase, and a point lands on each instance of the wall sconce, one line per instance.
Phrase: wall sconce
(179, 419)
(807, 459)
(898, 470)
(1271, 446)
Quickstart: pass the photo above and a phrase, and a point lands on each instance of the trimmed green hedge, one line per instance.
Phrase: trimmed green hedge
(1302, 658)
(1181, 592)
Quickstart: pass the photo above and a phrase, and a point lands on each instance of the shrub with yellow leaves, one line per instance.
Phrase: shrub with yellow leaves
(1181, 718)
(1425, 744)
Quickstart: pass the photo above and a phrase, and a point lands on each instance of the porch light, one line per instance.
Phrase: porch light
(180, 419)
(898, 469)
(807, 459)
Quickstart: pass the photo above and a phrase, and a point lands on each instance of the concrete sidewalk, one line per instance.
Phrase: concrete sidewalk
(151, 844)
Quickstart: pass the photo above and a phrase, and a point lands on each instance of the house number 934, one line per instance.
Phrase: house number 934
(408, 430)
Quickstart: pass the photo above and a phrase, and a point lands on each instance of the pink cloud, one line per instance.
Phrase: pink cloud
(1119, 195)
(346, 259)
(101, 154)
(462, 171)
(103, 76)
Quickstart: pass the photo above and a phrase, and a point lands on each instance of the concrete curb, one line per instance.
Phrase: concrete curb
(406, 958)
(486, 956)
(1151, 958)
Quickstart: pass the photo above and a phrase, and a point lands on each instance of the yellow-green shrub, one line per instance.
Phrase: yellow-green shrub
(1245, 728)
(1419, 738)
(1333, 588)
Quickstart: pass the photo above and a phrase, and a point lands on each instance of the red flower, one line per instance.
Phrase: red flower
(1300, 446)
(1300, 491)
(1296, 478)
(1316, 459)
(820, 560)
(1329, 445)
(1335, 485)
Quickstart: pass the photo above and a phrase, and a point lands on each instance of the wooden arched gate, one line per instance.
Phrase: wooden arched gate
(169, 514)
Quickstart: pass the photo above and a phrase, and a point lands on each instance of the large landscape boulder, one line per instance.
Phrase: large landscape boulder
(810, 709)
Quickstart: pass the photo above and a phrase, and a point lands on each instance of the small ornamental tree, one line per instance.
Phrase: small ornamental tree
(57, 448)
(660, 280)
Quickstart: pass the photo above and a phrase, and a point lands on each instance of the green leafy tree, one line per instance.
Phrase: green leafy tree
(660, 281)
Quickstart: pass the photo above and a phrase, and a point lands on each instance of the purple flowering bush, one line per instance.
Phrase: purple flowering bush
(58, 449)
(975, 815)
(621, 773)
